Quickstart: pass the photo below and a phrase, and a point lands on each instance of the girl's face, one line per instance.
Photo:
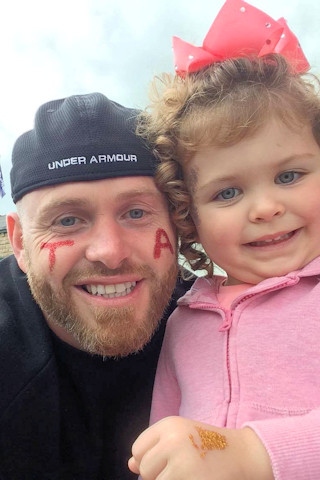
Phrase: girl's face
(257, 203)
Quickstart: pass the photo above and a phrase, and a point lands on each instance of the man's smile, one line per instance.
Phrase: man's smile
(111, 291)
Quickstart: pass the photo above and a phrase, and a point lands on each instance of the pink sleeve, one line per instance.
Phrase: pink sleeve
(293, 444)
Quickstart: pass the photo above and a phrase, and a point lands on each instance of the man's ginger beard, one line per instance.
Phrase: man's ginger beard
(118, 331)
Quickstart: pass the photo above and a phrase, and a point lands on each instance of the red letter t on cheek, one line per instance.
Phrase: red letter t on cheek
(52, 246)
(162, 241)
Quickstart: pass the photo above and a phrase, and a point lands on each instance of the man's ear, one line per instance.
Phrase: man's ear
(14, 230)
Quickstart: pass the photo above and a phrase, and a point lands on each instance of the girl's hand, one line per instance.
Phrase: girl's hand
(176, 448)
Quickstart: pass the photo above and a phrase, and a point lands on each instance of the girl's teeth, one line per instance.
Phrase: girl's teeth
(272, 240)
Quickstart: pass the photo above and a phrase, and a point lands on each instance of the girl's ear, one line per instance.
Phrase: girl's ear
(14, 230)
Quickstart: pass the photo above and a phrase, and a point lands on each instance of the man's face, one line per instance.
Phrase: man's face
(101, 261)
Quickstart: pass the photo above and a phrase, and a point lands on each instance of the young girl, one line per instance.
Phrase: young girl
(239, 143)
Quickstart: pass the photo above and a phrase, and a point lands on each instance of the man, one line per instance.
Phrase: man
(94, 267)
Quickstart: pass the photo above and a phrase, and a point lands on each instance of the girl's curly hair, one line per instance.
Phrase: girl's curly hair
(219, 106)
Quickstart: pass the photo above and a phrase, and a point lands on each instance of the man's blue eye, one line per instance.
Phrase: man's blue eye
(68, 221)
(136, 213)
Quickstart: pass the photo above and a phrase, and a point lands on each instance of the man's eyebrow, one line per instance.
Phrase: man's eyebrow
(137, 192)
(80, 202)
(55, 205)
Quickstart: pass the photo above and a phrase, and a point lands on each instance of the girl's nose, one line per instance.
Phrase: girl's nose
(265, 209)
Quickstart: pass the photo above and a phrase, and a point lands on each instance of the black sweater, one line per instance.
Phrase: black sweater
(65, 414)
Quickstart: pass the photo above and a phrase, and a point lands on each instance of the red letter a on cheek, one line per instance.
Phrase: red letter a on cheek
(162, 241)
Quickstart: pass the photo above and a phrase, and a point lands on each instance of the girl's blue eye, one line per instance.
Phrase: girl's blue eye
(228, 194)
(68, 221)
(136, 213)
(288, 177)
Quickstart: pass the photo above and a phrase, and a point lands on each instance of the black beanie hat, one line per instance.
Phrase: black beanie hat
(79, 138)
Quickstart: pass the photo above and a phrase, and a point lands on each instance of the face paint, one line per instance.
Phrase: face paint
(52, 246)
(162, 241)
(209, 441)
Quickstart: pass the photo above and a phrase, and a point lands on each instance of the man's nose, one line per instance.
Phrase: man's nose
(109, 244)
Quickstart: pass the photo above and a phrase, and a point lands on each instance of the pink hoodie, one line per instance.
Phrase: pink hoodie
(257, 364)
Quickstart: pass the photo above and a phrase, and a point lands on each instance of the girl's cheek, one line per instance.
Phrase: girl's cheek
(161, 242)
(52, 247)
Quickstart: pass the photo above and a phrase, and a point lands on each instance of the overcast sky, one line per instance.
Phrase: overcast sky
(50, 50)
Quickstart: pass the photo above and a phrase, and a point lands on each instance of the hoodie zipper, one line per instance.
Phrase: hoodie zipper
(227, 322)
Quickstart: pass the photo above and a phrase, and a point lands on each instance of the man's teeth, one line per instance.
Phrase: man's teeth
(111, 291)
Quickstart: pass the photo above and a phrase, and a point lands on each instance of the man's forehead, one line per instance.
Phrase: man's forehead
(84, 193)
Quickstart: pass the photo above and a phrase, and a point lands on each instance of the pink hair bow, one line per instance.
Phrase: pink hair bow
(240, 30)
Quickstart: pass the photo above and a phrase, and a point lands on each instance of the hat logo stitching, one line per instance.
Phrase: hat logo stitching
(116, 157)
